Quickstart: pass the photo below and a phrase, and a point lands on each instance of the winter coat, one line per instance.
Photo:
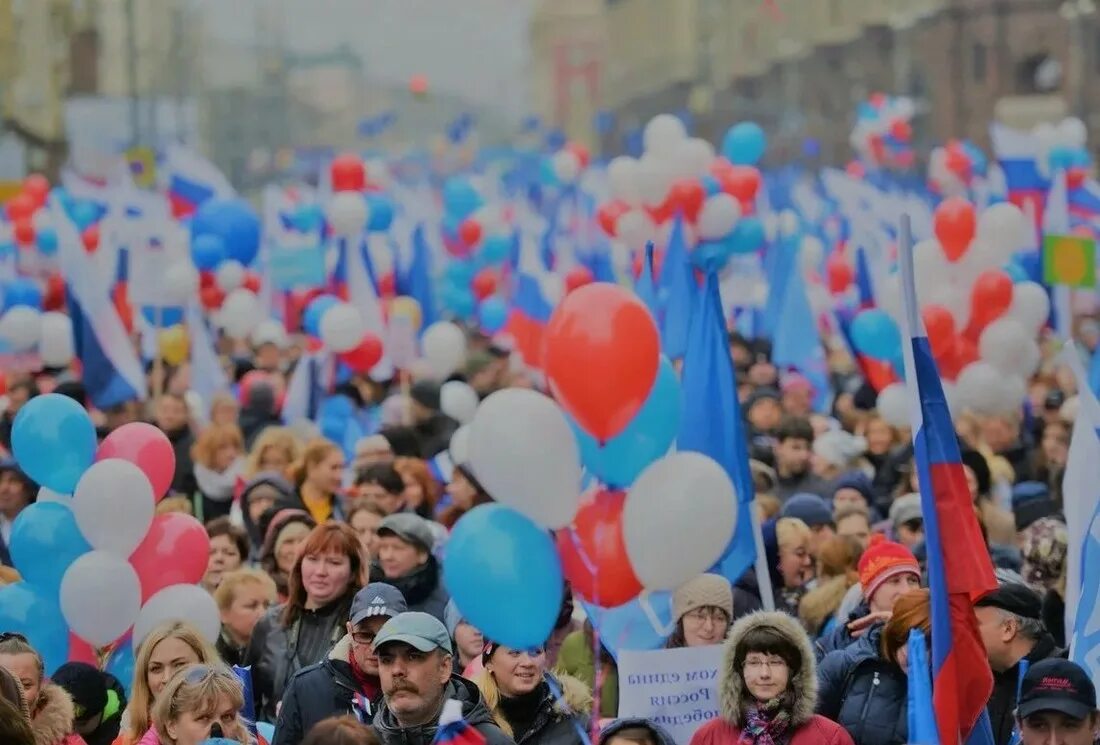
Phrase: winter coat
(435, 435)
(52, 719)
(659, 735)
(575, 658)
(474, 711)
(807, 728)
(183, 478)
(840, 637)
(866, 694)
(1002, 702)
(111, 721)
(422, 587)
(319, 691)
(819, 605)
(276, 651)
(556, 722)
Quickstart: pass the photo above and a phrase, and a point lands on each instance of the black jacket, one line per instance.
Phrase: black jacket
(435, 435)
(473, 711)
(840, 637)
(865, 694)
(183, 479)
(553, 723)
(318, 692)
(422, 588)
(1002, 702)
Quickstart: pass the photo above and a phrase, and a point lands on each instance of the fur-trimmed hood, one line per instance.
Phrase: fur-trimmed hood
(53, 721)
(732, 694)
(576, 699)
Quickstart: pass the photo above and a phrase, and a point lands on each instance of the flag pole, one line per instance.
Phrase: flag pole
(763, 576)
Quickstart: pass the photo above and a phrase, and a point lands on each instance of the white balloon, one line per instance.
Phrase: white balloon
(635, 228)
(663, 133)
(347, 213)
(459, 448)
(982, 388)
(100, 597)
(1005, 228)
(444, 347)
(1072, 132)
(693, 157)
(188, 603)
(524, 453)
(458, 401)
(567, 167)
(930, 266)
(951, 393)
(269, 331)
(1013, 391)
(113, 504)
(229, 275)
(788, 223)
(1010, 347)
(180, 282)
(893, 405)
(20, 328)
(889, 296)
(654, 177)
(811, 253)
(718, 216)
(240, 313)
(622, 180)
(1030, 305)
(342, 327)
(685, 503)
(56, 345)
(955, 296)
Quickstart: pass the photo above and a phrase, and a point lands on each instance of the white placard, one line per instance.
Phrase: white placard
(675, 688)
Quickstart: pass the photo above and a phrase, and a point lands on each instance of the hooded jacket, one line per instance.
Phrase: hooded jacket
(807, 728)
(474, 711)
(52, 722)
(287, 498)
(422, 588)
(556, 722)
(660, 736)
(867, 695)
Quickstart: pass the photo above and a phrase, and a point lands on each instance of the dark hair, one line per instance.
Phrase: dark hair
(768, 640)
(381, 474)
(640, 735)
(345, 730)
(450, 515)
(325, 538)
(223, 526)
(795, 428)
(403, 440)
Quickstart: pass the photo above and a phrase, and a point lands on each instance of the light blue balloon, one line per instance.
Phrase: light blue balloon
(311, 317)
(84, 213)
(744, 144)
(492, 314)
(747, 236)
(1016, 272)
(460, 198)
(162, 317)
(53, 440)
(876, 334)
(45, 541)
(1061, 158)
(648, 436)
(46, 238)
(460, 273)
(22, 291)
(32, 614)
(504, 575)
(207, 251)
(308, 218)
(121, 664)
(381, 213)
(711, 256)
(459, 301)
(710, 185)
(495, 249)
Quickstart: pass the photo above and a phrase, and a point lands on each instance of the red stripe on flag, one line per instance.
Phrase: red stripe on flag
(528, 336)
(969, 569)
(964, 682)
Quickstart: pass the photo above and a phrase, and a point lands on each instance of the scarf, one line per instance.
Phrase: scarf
(767, 723)
(218, 486)
(369, 685)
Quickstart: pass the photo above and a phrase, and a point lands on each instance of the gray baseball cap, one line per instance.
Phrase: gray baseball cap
(409, 527)
(421, 631)
(376, 599)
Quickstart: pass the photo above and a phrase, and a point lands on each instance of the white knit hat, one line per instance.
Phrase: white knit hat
(704, 590)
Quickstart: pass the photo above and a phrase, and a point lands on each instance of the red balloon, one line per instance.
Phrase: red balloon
(37, 187)
(593, 553)
(580, 152)
(855, 169)
(1075, 177)
(484, 283)
(53, 298)
(954, 224)
(251, 282)
(418, 85)
(207, 279)
(839, 273)
(365, 356)
(469, 231)
(720, 166)
(387, 285)
(19, 207)
(174, 551)
(23, 231)
(741, 182)
(901, 130)
(877, 100)
(147, 448)
(658, 213)
(990, 297)
(348, 173)
(956, 160)
(211, 297)
(940, 325)
(81, 651)
(609, 213)
(90, 238)
(686, 196)
(601, 357)
(578, 276)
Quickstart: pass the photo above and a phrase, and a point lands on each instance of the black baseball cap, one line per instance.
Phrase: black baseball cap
(1057, 685)
(1015, 598)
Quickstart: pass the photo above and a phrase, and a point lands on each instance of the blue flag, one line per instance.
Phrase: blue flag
(418, 280)
(797, 344)
(922, 715)
(677, 282)
(646, 288)
(780, 262)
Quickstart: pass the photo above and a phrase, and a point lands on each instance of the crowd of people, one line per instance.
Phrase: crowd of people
(326, 567)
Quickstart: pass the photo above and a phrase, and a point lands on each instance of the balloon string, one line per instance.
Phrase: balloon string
(560, 697)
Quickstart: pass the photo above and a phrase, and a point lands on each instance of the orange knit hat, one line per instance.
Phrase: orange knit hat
(882, 560)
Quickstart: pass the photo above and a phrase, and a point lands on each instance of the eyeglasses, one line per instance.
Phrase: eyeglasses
(714, 615)
(363, 637)
(772, 663)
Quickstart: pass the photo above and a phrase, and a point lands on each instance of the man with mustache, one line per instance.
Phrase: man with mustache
(414, 663)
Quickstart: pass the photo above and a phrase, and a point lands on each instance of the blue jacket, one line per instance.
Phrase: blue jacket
(865, 694)
(839, 637)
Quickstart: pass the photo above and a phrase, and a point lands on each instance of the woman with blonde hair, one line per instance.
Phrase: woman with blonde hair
(242, 597)
(318, 474)
(166, 650)
(787, 549)
(49, 706)
(275, 449)
(218, 455)
(199, 703)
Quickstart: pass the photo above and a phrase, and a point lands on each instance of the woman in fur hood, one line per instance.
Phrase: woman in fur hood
(768, 688)
(49, 706)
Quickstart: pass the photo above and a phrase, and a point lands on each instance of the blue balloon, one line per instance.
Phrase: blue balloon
(492, 314)
(45, 541)
(207, 251)
(459, 301)
(22, 291)
(381, 213)
(32, 614)
(460, 273)
(53, 440)
(747, 236)
(648, 436)
(711, 185)
(308, 218)
(460, 198)
(83, 213)
(311, 317)
(504, 575)
(46, 238)
(162, 317)
(639, 624)
(1016, 272)
(711, 256)
(235, 222)
(876, 334)
(1062, 158)
(121, 664)
(744, 144)
(495, 249)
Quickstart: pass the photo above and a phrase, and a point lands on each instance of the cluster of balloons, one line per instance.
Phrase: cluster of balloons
(615, 413)
(96, 563)
(883, 133)
(31, 224)
(1063, 147)
(24, 327)
(953, 167)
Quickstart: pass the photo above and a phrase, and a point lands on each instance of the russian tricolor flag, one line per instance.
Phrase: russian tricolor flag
(530, 309)
(959, 567)
(189, 180)
(1016, 152)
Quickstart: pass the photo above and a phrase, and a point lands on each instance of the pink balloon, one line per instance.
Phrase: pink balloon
(147, 448)
(174, 551)
(81, 651)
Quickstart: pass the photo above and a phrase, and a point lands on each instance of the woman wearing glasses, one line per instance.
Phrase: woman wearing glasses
(50, 706)
(703, 611)
(768, 688)
(200, 702)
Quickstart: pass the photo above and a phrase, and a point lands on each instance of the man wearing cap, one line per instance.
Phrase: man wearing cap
(414, 661)
(405, 560)
(347, 682)
(814, 511)
(1009, 624)
(98, 701)
(1057, 705)
(907, 520)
